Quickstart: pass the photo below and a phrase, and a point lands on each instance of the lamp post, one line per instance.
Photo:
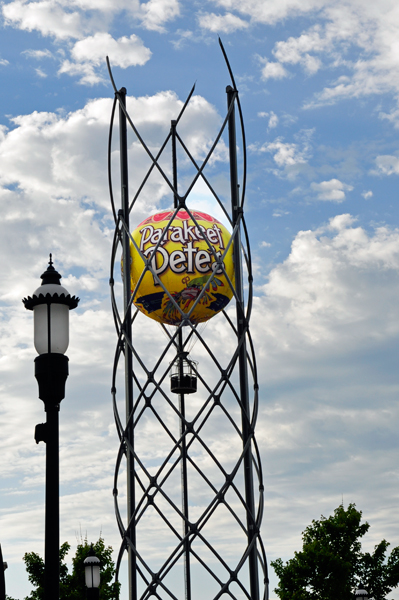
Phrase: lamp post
(3, 567)
(51, 304)
(92, 575)
(361, 593)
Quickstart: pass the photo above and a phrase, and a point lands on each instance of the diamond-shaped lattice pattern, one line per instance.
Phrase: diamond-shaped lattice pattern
(190, 460)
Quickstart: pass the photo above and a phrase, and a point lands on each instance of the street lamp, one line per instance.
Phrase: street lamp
(92, 575)
(3, 567)
(51, 304)
(361, 593)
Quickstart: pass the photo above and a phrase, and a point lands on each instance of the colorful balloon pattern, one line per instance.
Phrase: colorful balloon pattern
(185, 260)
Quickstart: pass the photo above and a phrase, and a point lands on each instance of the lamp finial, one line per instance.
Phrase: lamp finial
(51, 275)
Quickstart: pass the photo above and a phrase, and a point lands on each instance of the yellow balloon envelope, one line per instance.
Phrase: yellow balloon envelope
(185, 260)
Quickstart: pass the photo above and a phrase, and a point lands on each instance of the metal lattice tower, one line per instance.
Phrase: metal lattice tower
(191, 463)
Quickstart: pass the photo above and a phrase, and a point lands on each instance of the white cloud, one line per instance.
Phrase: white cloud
(40, 73)
(273, 119)
(46, 16)
(104, 6)
(280, 213)
(123, 52)
(296, 50)
(54, 197)
(332, 289)
(38, 54)
(53, 166)
(333, 295)
(184, 35)
(340, 222)
(65, 19)
(271, 12)
(272, 70)
(226, 23)
(290, 157)
(324, 325)
(4, 62)
(367, 194)
(87, 22)
(155, 13)
(91, 51)
(333, 190)
(387, 165)
(57, 166)
(370, 31)
(85, 71)
(393, 117)
(265, 244)
(286, 154)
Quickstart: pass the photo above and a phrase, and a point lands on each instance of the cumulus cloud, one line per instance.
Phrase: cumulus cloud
(87, 22)
(392, 116)
(53, 192)
(367, 194)
(53, 166)
(325, 328)
(290, 157)
(226, 23)
(125, 51)
(333, 298)
(40, 73)
(272, 70)
(273, 119)
(46, 16)
(155, 13)
(296, 50)
(62, 19)
(286, 154)
(89, 53)
(333, 190)
(387, 165)
(326, 283)
(54, 198)
(270, 12)
(38, 54)
(372, 33)
(341, 27)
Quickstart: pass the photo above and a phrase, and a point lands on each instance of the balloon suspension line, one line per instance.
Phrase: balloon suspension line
(184, 479)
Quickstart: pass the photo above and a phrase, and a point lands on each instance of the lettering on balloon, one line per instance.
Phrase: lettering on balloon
(189, 259)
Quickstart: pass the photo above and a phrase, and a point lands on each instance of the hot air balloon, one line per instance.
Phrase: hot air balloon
(189, 259)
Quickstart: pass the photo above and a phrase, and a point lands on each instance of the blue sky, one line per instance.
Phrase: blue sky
(319, 84)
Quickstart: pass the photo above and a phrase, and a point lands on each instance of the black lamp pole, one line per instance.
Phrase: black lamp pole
(51, 304)
(3, 567)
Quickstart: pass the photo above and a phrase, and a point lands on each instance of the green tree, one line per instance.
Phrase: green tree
(330, 565)
(72, 585)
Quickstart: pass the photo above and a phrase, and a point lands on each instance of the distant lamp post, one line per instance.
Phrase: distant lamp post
(92, 575)
(3, 567)
(361, 593)
(51, 304)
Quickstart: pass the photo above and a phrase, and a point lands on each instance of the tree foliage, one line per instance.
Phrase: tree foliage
(331, 564)
(72, 585)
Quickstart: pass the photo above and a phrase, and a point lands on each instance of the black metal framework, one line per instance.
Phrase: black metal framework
(192, 524)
